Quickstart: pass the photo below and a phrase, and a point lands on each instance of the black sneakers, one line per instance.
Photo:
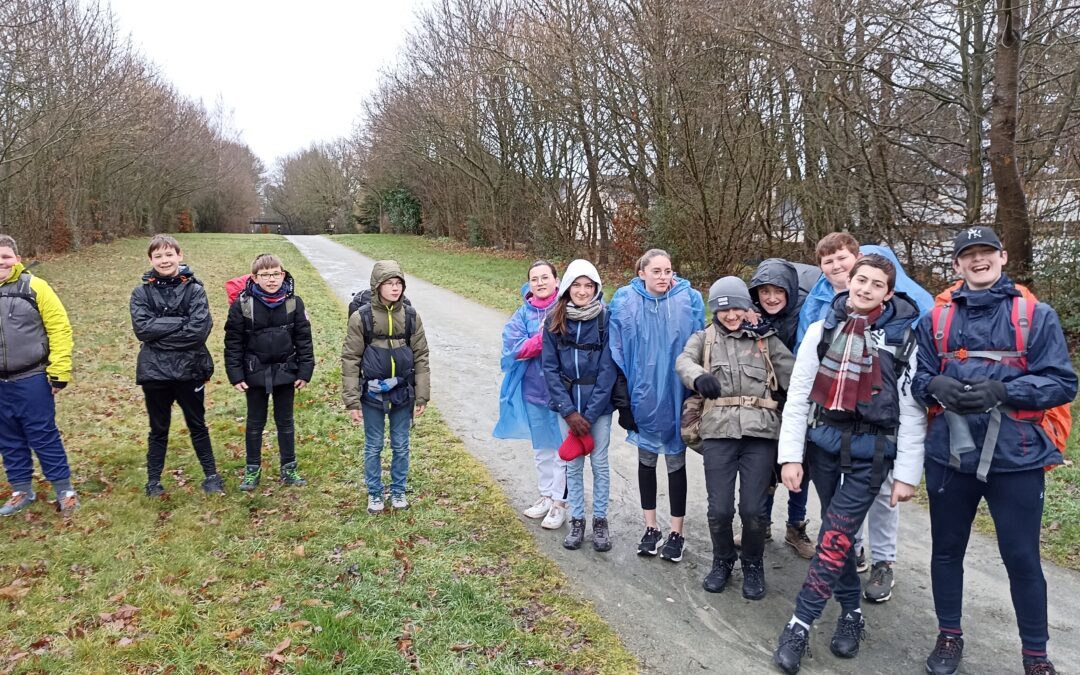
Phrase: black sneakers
(213, 485)
(793, 643)
(945, 659)
(673, 548)
(154, 489)
(577, 534)
(753, 580)
(718, 576)
(601, 537)
(850, 629)
(1038, 665)
(650, 543)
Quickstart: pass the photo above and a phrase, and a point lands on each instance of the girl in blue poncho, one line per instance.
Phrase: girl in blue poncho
(651, 320)
(523, 399)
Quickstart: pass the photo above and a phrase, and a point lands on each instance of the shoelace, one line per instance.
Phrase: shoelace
(877, 575)
(16, 497)
(947, 647)
(798, 640)
(1042, 668)
(852, 628)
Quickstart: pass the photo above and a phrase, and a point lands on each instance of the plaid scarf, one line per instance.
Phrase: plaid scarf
(850, 371)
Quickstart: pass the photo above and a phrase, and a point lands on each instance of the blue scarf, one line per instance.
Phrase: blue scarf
(267, 299)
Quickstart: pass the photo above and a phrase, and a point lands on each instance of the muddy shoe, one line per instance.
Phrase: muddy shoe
(794, 642)
(1038, 665)
(650, 543)
(601, 537)
(796, 538)
(154, 488)
(879, 588)
(67, 502)
(850, 629)
(18, 502)
(577, 534)
(717, 578)
(753, 580)
(213, 485)
(945, 659)
(252, 474)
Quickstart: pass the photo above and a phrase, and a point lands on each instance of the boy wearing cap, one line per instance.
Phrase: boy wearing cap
(983, 382)
(742, 375)
(850, 412)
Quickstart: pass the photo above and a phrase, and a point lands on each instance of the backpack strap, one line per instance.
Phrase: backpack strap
(942, 318)
(22, 289)
(706, 362)
(763, 347)
(902, 357)
(1023, 312)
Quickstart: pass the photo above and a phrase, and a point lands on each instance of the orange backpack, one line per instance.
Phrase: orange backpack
(1056, 421)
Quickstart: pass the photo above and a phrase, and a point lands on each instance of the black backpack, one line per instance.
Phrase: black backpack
(361, 302)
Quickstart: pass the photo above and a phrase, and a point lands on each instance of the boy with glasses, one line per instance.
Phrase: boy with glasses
(268, 352)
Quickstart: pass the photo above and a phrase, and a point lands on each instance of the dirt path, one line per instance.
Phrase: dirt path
(659, 608)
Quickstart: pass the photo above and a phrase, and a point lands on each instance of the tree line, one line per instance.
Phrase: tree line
(96, 144)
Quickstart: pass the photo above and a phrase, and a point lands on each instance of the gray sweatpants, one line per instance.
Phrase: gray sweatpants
(883, 521)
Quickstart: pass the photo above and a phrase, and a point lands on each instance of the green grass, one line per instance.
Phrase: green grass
(282, 580)
(495, 280)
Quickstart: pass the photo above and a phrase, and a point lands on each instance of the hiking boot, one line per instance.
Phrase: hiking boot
(399, 502)
(601, 537)
(213, 485)
(18, 502)
(861, 563)
(154, 489)
(945, 659)
(673, 548)
(753, 580)
(850, 629)
(555, 518)
(1038, 665)
(67, 501)
(717, 578)
(374, 504)
(768, 536)
(650, 543)
(576, 536)
(291, 477)
(796, 538)
(252, 474)
(539, 509)
(793, 643)
(879, 588)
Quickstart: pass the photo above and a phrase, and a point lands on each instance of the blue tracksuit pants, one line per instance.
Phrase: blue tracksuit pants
(28, 422)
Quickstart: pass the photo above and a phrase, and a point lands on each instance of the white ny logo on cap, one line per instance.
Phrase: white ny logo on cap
(974, 233)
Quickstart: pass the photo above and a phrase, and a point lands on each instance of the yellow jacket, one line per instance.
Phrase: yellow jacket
(54, 319)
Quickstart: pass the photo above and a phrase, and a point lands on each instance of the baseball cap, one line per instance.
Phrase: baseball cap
(979, 235)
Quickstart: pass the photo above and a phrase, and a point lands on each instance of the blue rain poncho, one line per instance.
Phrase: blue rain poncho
(646, 335)
(523, 397)
(821, 295)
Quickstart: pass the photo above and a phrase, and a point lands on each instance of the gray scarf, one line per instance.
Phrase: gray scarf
(589, 311)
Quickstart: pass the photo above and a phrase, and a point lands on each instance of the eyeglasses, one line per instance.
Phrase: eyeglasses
(270, 275)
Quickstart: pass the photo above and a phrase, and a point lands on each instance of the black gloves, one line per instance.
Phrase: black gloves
(707, 385)
(57, 384)
(626, 419)
(976, 397)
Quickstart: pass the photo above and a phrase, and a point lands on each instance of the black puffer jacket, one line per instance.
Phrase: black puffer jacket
(171, 317)
(796, 279)
(274, 347)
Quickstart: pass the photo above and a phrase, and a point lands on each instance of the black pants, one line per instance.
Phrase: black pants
(845, 501)
(190, 395)
(257, 403)
(752, 460)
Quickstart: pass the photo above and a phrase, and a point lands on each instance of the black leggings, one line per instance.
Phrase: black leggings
(257, 403)
(676, 483)
(190, 395)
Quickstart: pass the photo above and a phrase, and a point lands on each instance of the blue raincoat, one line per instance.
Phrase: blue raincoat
(647, 334)
(821, 295)
(523, 397)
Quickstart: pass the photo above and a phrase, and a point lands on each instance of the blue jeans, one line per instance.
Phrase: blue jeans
(575, 471)
(374, 428)
(28, 422)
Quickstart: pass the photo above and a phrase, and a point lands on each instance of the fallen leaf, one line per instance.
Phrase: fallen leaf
(313, 602)
(234, 635)
(17, 590)
(297, 625)
(275, 654)
(124, 642)
(276, 605)
(299, 551)
(342, 614)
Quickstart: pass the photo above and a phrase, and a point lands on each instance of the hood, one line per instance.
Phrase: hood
(580, 268)
(678, 285)
(777, 272)
(16, 270)
(184, 274)
(383, 270)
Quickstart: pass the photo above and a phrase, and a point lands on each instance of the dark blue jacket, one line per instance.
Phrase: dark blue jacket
(564, 361)
(982, 322)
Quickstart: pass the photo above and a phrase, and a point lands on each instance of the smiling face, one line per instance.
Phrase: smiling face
(270, 279)
(657, 275)
(166, 261)
(836, 267)
(868, 288)
(980, 266)
(582, 291)
(731, 318)
(772, 299)
(542, 283)
(8, 259)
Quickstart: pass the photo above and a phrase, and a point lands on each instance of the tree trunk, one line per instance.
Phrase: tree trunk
(1011, 219)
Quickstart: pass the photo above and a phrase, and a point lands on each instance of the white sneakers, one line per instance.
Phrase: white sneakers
(556, 516)
(539, 509)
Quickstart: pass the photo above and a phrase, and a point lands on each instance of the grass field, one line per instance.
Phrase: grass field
(285, 579)
(495, 280)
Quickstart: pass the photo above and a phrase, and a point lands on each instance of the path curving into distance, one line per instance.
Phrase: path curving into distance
(659, 608)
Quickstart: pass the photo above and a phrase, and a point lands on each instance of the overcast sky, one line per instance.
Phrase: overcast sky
(291, 72)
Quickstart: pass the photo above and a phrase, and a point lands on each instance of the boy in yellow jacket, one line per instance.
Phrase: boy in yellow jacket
(35, 364)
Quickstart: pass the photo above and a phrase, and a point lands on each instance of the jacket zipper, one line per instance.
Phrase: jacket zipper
(577, 368)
